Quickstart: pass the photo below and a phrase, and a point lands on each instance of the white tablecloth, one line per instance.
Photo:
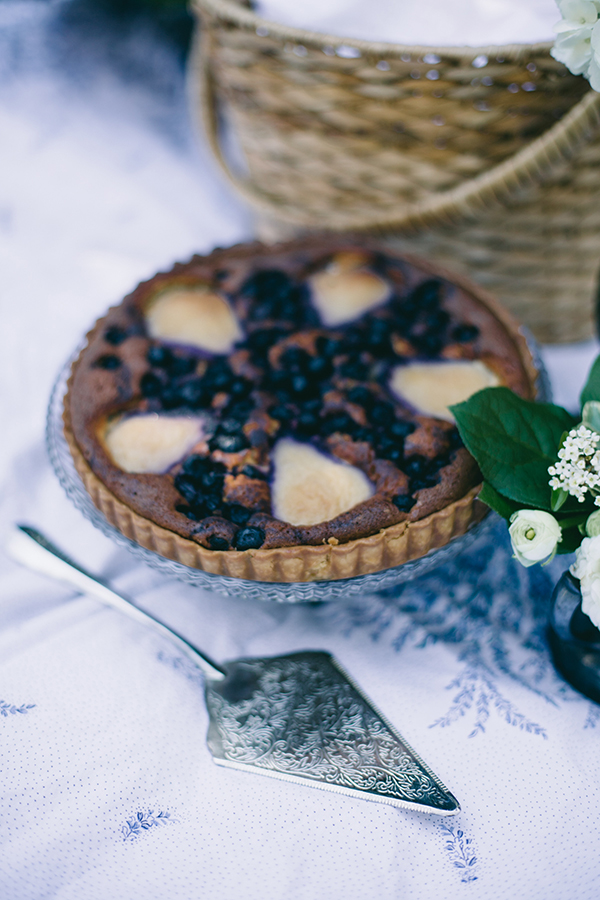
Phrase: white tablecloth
(107, 788)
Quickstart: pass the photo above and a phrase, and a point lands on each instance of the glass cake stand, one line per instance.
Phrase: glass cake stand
(304, 592)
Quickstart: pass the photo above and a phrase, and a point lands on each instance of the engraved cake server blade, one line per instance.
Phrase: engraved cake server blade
(298, 717)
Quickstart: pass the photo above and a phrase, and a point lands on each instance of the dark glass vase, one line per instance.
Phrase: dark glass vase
(574, 639)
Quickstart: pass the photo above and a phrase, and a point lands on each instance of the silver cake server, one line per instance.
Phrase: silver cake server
(298, 717)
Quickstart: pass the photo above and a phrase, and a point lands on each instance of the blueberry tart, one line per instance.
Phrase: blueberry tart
(282, 413)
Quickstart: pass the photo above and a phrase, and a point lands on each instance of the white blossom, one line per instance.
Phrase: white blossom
(534, 535)
(578, 38)
(587, 568)
(578, 468)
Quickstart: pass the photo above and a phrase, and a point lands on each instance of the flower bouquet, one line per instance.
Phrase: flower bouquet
(541, 472)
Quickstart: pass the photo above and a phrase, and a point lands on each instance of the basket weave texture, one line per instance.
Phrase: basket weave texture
(486, 158)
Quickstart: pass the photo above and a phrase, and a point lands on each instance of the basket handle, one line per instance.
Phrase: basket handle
(528, 166)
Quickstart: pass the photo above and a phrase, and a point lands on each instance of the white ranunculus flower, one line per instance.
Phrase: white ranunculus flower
(578, 41)
(587, 568)
(534, 535)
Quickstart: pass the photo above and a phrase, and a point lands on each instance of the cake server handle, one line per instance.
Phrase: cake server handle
(29, 547)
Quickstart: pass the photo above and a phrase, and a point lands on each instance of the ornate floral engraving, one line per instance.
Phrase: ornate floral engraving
(299, 716)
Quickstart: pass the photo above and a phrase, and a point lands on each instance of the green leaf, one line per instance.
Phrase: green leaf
(591, 390)
(590, 415)
(558, 498)
(497, 502)
(573, 521)
(514, 441)
(571, 540)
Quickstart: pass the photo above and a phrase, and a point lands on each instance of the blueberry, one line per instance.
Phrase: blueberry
(280, 412)
(378, 335)
(354, 368)
(361, 396)
(382, 413)
(170, 397)
(313, 406)
(239, 408)
(294, 359)
(238, 514)
(240, 388)
(307, 424)
(212, 481)
(404, 319)
(218, 376)
(320, 367)
(192, 394)
(230, 425)
(158, 356)
(150, 385)
(269, 284)
(228, 443)
(187, 511)
(437, 320)
(404, 502)
(339, 422)
(108, 361)
(429, 343)
(300, 384)
(328, 346)
(464, 333)
(187, 487)
(212, 503)
(181, 365)
(279, 381)
(215, 542)
(305, 311)
(418, 484)
(196, 465)
(352, 339)
(275, 296)
(249, 538)
(427, 294)
(416, 466)
(260, 342)
(389, 449)
(252, 472)
(422, 472)
(115, 335)
(300, 387)
(401, 429)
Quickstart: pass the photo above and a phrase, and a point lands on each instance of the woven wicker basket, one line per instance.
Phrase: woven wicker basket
(486, 158)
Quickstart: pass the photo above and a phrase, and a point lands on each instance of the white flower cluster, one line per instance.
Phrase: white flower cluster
(578, 468)
(578, 41)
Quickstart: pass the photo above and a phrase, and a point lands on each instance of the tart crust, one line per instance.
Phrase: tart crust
(391, 546)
